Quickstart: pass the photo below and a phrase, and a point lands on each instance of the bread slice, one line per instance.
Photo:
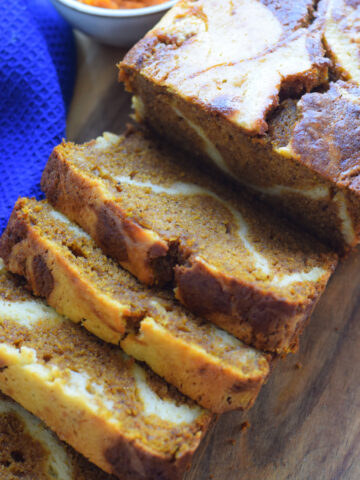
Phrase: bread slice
(62, 264)
(235, 83)
(160, 216)
(28, 449)
(118, 414)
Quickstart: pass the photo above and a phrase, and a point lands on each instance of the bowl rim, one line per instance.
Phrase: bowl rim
(115, 12)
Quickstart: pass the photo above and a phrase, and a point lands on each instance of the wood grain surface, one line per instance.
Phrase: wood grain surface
(305, 424)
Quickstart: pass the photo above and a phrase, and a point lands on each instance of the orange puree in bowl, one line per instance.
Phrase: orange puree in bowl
(122, 3)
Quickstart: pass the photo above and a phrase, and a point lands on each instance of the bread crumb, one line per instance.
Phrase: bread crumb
(298, 365)
(244, 426)
(232, 441)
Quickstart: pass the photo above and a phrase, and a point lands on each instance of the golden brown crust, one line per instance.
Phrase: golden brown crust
(197, 374)
(326, 134)
(119, 236)
(258, 318)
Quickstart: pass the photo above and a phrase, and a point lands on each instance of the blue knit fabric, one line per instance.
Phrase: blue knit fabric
(37, 67)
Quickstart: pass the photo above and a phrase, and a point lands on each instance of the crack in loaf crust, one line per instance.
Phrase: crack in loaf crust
(122, 417)
(91, 289)
(29, 450)
(233, 262)
(259, 153)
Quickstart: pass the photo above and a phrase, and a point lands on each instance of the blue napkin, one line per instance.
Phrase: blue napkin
(37, 69)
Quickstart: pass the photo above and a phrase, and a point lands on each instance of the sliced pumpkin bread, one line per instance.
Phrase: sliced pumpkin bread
(62, 264)
(166, 220)
(119, 415)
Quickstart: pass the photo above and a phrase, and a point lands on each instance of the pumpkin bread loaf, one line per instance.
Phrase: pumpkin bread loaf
(62, 264)
(247, 86)
(121, 416)
(165, 220)
(29, 450)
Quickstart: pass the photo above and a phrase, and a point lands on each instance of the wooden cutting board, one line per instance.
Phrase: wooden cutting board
(305, 424)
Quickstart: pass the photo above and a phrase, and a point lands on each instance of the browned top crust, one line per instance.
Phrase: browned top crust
(292, 14)
(233, 57)
(342, 36)
(327, 134)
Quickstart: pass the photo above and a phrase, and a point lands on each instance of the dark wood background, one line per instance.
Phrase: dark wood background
(305, 424)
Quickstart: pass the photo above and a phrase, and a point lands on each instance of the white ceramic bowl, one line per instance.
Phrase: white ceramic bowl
(117, 27)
